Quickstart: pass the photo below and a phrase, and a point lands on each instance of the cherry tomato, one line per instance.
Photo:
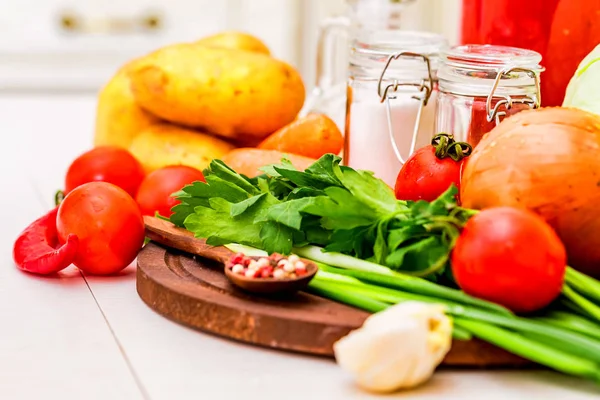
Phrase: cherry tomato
(107, 164)
(511, 257)
(108, 223)
(156, 189)
(424, 176)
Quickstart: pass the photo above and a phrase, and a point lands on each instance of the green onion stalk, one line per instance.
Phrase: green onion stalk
(566, 340)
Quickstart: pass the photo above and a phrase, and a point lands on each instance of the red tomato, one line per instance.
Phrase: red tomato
(156, 189)
(108, 223)
(425, 176)
(511, 257)
(106, 164)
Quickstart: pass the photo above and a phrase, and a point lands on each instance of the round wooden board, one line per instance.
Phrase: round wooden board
(195, 292)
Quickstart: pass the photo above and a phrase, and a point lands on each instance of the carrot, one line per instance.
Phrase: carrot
(247, 161)
(310, 136)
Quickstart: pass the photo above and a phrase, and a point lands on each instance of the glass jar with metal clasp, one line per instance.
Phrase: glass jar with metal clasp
(391, 96)
(479, 85)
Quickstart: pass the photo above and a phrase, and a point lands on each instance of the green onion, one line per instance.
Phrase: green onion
(587, 306)
(566, 340)
(340, 260)
(460, 333)
(542, 354)
(418, 286)
(585, 285)
(341, 294)
(571, 322)
(330, 291)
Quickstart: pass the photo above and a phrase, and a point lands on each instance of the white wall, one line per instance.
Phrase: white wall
(38, 54)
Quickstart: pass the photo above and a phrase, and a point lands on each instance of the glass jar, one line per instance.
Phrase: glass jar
(391, 92)
(335, 35)
(481, 84)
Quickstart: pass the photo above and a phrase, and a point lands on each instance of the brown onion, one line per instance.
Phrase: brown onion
(547, 161)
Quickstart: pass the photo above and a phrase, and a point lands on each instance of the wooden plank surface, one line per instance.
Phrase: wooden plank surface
(54, 340)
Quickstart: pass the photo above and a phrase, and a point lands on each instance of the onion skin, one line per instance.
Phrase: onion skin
(548, 161)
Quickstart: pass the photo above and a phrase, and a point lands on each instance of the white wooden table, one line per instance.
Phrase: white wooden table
(79, 337)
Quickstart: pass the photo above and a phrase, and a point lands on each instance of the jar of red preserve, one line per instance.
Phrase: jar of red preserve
(479, 85)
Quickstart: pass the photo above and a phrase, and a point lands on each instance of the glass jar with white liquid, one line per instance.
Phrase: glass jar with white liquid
(391, 99)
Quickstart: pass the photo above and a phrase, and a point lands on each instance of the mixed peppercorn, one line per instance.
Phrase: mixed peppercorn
(274, 266)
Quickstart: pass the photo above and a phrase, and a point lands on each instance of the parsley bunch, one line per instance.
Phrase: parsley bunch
(342, 209)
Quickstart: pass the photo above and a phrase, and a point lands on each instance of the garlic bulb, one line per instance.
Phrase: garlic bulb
(399, 347)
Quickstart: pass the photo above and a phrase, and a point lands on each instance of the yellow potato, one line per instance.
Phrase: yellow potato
(235, 40)
(164, 144)
(231, 93)
(118, 118)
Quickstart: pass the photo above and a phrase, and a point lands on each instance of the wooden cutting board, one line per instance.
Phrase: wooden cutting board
(195, 292)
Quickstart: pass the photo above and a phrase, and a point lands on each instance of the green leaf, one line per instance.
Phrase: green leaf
(370, 191)
(299, 193)
(276, 238)
(242, 206)
(180, 213)
(358, 241)
(380, 248)
(216, 187)
(440, 206)
(397, 237)
(218, 227)
(420, 256)
(324, 169)
(220, 169)
(303, 179)
(288, 213)
(314, 232)
(270, 170)
(341, 210)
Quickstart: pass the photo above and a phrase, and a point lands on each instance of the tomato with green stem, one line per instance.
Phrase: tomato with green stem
(431, 170)
(510, 256)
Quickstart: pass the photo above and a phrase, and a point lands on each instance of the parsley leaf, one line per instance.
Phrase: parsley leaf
(341, 210)
(288, 213)
(368, 190)
(218, 226)
(276, 238)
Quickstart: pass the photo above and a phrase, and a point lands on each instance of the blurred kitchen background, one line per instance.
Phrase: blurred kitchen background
(58, 46)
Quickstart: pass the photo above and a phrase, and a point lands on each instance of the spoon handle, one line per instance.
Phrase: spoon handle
(164, 232)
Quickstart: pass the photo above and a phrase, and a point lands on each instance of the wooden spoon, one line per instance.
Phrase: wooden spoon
(164, 232)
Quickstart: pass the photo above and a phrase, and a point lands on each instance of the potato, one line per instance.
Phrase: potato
(164, 144)
(118, 118)
(235, 40)
(231, 93)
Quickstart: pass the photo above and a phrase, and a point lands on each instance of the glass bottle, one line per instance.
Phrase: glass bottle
(334, 38)
(481, 84)
(391, 92)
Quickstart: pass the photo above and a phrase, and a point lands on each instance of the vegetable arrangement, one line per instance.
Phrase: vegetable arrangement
(375, 251)
(499, 274)
(345, 210)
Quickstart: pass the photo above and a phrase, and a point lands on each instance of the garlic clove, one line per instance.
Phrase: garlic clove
(397, 348)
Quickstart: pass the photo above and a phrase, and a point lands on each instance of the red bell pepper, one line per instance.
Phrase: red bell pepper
(37, 249)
